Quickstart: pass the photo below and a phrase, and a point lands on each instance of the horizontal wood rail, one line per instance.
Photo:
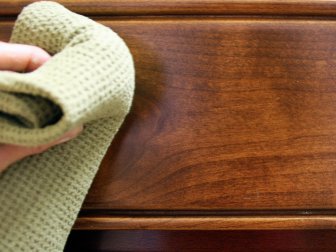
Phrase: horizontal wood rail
(187, 7)
(206, 223)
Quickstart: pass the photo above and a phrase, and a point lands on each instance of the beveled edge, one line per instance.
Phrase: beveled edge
(206, 223)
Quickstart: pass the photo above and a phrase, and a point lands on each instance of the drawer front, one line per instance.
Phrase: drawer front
(229, 114)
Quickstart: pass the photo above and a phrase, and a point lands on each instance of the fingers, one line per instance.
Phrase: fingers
(10, 154)
(25, 58)
(17, 57)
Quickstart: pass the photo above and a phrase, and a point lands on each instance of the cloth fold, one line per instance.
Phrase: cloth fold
(89, 80)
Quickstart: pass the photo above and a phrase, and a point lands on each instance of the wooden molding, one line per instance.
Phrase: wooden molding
(203, 240)
(206, 223)
(187, 7)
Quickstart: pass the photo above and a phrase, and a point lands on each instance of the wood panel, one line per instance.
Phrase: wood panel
(228, 114)
(231, 241)
(186, 7)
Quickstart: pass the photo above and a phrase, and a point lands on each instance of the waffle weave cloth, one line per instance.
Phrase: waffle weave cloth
(89, 80)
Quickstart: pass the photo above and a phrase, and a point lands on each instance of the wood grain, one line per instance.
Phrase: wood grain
(233, 241)
(228, 114)
(206, 223)
(186, 7)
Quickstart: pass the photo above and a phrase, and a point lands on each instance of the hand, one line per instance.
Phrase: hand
(25, 58)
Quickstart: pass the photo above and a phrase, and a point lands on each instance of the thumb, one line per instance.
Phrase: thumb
(10, 154)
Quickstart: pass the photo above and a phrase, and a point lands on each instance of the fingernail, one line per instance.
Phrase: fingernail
(70, 135)
(64, 139)
(36, 62)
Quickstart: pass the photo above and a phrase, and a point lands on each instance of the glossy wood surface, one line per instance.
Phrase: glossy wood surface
(223, 241)
(229, 114)
(186, 7)
(206, 223)
(232, 128)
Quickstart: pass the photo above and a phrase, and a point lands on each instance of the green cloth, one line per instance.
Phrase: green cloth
(89, 80)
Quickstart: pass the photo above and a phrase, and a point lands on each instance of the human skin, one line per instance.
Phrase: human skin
(25, 58)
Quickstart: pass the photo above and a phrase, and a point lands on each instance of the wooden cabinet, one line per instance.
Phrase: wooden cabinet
(232, 134)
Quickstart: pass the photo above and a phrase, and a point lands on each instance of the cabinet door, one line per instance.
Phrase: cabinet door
(229, 114)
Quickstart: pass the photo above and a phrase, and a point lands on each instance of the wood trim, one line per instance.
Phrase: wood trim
(206, 223)
(187, 7)
(202, 240)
